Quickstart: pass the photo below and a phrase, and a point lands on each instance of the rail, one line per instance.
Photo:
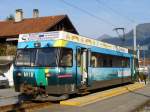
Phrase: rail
(25, 107)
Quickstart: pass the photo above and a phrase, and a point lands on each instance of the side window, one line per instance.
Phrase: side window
(126, 62)
(66, 58)
(96, 60)
(121, 62)
(104, 63)
(104, 60)
(110, 63)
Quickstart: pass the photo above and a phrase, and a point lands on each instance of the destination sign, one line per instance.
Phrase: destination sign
(38, 36)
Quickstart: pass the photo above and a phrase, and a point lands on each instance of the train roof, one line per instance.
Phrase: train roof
(55, 35)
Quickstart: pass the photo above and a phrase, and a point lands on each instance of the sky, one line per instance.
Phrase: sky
(92, 18)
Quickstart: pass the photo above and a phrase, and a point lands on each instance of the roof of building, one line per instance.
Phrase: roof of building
(30, 25)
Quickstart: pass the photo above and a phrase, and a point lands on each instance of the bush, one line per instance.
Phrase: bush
(11, 50)
(6, 49)
(3, 49)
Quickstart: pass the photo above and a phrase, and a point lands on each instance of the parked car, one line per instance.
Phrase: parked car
(4, 83)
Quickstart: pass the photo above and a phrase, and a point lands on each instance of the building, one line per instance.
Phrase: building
(10, 29)
(144, 62)
(144, 65)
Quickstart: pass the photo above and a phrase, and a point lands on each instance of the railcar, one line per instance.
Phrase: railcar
(61, 63)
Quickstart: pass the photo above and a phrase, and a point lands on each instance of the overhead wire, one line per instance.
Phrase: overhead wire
(115, 11)
(97, 17)
(119, 14)
(88, 13)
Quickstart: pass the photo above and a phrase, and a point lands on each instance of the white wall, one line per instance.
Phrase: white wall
(9, 75)
(6, 67)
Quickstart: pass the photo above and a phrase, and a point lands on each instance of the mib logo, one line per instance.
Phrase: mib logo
(28, 74)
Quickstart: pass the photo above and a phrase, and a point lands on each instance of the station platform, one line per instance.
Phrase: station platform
(126, 102)
(88, 99)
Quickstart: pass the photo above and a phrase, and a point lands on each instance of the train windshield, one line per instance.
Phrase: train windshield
(44, 57)
(25, 57)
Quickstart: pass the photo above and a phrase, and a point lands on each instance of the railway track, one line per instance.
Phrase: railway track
(25, 107)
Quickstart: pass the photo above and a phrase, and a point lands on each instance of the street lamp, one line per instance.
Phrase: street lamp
(134, 52)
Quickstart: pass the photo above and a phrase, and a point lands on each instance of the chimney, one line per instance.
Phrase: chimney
(35, 13)
(18, 15)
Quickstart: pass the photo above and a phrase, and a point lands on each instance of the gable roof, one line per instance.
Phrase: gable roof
(30, 25)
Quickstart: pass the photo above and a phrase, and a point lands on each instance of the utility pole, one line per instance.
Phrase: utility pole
(134, 51)
(134, 38)
(138, 52)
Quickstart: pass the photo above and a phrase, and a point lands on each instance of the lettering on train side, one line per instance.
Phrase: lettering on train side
(28, 74)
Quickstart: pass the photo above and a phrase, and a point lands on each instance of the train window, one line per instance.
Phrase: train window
(51, 57)
(121, 62)
(95, 60)
(48, 57)
(66, 57)
(110, 63)
(25, 57)
(116, 62)
(104, 60)
(104, 63)
(98, 60)
(125, 62)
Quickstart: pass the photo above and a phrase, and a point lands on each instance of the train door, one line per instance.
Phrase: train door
(83, 62)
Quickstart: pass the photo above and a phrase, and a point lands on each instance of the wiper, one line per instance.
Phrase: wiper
(58, 56)
(36, 56)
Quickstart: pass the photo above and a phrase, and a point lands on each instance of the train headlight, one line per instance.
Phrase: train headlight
(19, 74)
(48, 74)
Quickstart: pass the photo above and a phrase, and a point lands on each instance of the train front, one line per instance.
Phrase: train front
(39, 68)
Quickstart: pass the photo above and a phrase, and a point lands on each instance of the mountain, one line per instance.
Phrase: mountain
(104, 36)
(143, 38)
(143, 31)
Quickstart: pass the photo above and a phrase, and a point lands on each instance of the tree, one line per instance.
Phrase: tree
(10, 17)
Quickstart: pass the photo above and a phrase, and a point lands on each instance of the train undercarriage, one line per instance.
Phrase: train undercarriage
(28, 92)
